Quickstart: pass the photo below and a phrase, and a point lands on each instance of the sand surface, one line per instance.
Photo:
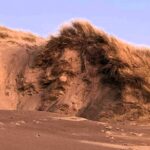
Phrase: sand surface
(21, 130)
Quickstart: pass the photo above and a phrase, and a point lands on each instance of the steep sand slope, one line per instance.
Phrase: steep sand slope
(94, 75)
(81, 71)
(16, 55)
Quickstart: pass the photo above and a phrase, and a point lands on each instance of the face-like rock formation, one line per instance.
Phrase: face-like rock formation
(81, 71)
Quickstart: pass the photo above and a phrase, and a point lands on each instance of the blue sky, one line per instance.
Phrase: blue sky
(127, 19)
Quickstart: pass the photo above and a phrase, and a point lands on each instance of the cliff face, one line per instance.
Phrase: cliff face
(81, 71)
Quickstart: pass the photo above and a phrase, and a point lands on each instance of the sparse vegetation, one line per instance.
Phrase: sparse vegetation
(3, 35)
(29, 39)
(120, 68)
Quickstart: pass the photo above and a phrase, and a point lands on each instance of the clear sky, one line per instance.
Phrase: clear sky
(127, 19)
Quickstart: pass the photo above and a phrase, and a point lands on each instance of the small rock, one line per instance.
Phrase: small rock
(22, 122)
(117, 128)
(61, 92)
(139, 134)
(63, 78)
(133, 123)
(17, 124)
(108, 133)
(102, 131)
(36, 121)
(136, 134)
(108, 127)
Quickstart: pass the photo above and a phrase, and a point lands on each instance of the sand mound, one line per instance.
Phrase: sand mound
(17, 50)
(81, 71)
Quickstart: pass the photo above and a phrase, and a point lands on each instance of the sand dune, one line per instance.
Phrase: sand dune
(80, 74)
(81, 71)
